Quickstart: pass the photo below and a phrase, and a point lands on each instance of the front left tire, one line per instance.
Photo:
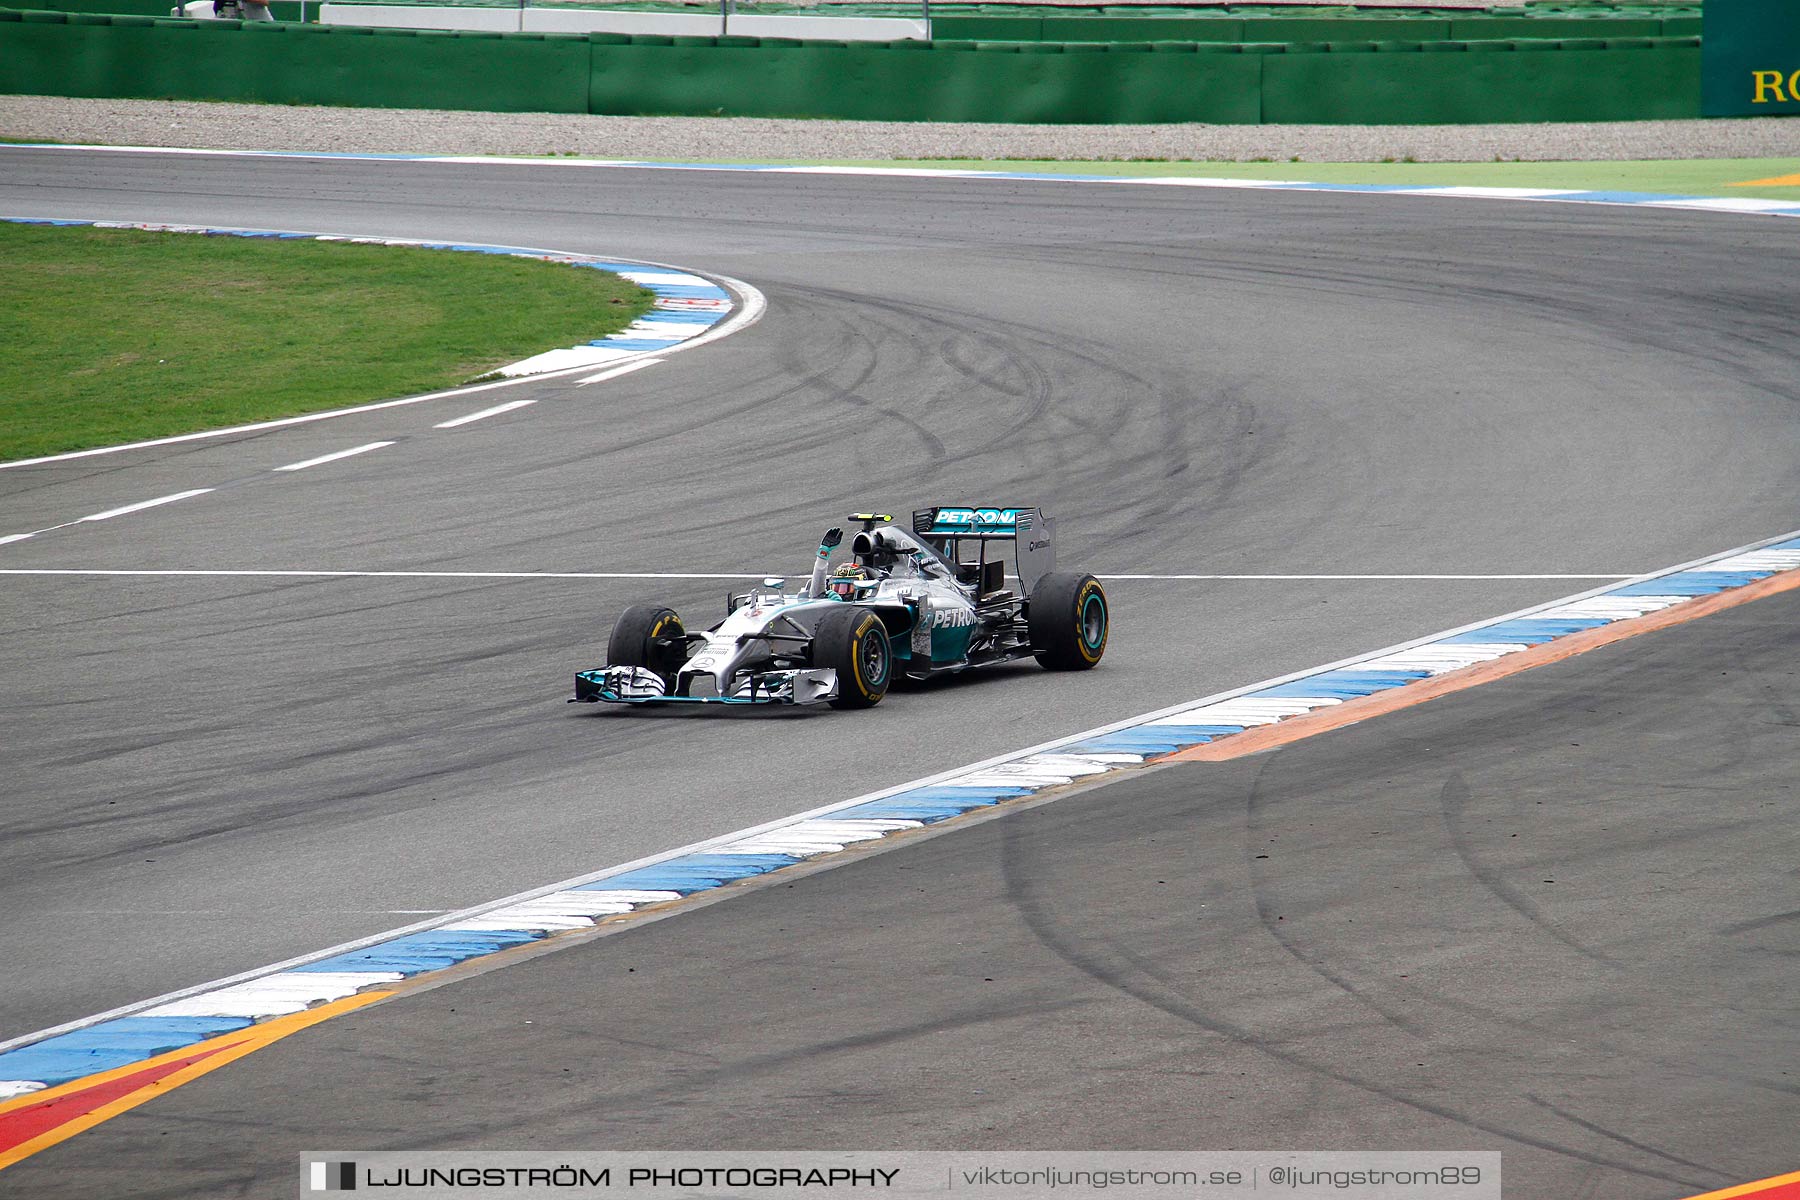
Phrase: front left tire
(853, 642)
(649, 636)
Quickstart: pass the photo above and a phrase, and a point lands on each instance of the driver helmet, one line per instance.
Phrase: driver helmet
(852, 581)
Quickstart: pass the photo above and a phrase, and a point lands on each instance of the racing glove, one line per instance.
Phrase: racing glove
(830, 541)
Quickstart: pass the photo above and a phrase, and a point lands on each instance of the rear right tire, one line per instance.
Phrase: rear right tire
(1069, 621)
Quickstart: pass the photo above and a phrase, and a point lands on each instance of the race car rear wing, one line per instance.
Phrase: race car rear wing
(1032, 533)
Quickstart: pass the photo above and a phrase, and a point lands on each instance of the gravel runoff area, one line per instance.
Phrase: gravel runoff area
(747, 139)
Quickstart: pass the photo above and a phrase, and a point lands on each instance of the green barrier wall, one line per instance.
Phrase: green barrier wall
(83, 55)
(911, 81)
(1341, 28)
(1238, 23)
(1486, 28)
(1332, 29)
(1373, 82)
(1452, 83)
(1125, 29)
(1378, 83)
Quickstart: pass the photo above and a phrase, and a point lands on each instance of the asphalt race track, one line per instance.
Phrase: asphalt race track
(1492, 922)
(206, 774)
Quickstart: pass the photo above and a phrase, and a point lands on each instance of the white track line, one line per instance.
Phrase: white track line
(678, 575)
(259, 426)
(140, 506)
(484, 414)
(335, 455)
(615, 372)
(1619, 575)
(381, 574)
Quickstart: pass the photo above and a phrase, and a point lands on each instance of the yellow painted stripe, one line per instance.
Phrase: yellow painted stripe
(1336, 716)
(1773, 181)
(1751, 1189)
(231, 1047)
(856, 642)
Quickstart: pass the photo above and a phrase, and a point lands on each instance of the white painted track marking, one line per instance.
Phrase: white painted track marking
(108, 515)
(260, 426)
(1283, 578)
(309, 574)
(140, 506)
(484, 414)
(385, 574)
(615, 372)
(333, 456)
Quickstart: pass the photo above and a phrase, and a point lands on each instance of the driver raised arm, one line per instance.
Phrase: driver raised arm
(815, 587)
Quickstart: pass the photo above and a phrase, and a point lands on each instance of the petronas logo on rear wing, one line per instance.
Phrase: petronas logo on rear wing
(976, 522)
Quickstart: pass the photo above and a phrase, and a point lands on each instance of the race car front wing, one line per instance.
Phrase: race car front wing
(637, 685)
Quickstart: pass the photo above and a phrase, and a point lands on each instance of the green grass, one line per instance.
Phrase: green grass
(1680, 177)
(110, 335)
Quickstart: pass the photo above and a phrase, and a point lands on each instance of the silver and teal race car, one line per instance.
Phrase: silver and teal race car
(910, 604)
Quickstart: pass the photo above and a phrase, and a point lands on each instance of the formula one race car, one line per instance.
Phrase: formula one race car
(916, 603)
